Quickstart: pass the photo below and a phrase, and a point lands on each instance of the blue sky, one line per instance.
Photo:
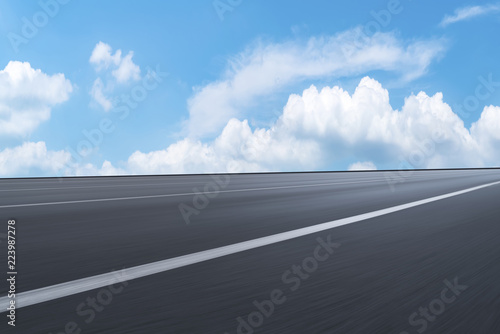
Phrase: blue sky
(234, 90)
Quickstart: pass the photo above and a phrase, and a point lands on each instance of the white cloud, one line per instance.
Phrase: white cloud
(486, 133)
(27, 96)
(124, 67)
(469, 12)
(322, 127)
(118, 70)
(265, 68)
(32, 159)
(237, 149)
(365, 165)
(365, 126)
(102, 56)
(127, 70)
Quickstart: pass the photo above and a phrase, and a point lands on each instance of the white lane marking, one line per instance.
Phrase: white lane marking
(90, 283)
(181, 194)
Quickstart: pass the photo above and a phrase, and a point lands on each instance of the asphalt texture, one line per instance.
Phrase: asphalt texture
(433, 268)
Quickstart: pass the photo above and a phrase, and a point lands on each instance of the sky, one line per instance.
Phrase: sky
(201, 86)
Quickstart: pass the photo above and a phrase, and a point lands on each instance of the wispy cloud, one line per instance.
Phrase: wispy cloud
(466, 13)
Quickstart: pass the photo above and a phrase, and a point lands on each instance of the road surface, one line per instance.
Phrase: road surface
(354, 252)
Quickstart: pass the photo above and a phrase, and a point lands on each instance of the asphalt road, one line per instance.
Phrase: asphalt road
(429, 268)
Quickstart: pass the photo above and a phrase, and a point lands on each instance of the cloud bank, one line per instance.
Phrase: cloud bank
(317, 129)
(32, 158)
(321, 127)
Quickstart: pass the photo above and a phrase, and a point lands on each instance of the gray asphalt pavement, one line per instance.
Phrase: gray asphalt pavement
(432, 268)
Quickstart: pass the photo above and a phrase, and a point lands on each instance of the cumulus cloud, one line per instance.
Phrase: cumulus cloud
(466, 13)
(265, 68)
(27, 96)
(32, 159)
(365, 165)
(237, 149)
(117, 69)
(127, 70)
(103, 58)
(322, 127)
(486, 134)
